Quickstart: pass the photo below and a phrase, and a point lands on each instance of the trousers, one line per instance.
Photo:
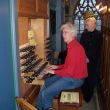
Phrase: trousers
(52, 87)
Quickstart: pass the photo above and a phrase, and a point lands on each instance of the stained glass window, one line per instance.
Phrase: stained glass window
(82, 7)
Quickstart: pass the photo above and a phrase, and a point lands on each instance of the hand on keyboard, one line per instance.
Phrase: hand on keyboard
(52, 67)
(49, 71)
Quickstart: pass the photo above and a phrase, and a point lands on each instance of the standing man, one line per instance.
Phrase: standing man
(70, 75)
(91, 40)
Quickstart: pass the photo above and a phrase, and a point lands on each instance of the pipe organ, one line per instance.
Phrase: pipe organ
(32, 69)
(34, 59)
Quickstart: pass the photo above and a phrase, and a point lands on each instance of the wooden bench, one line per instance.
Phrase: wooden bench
(71, 105)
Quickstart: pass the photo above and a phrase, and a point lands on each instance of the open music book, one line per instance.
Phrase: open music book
(70, 97)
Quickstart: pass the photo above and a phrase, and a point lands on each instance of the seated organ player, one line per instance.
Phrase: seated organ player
(70, 75)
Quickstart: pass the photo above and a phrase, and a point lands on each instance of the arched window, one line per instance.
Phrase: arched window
(82, 7)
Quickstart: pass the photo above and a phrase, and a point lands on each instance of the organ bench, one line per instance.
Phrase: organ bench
(71, 99)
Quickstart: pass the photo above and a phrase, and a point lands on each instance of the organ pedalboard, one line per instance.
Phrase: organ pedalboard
(31, 66)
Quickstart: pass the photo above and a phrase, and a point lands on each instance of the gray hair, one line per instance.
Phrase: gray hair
(71, 27)
(92, 19)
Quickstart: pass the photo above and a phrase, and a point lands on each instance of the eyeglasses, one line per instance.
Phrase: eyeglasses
(66, 32)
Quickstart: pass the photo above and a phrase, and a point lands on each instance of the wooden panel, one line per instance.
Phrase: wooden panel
(41, 8)
(39, 26)
(24, 104)
(23, 30)
(27, 8)
(32, 8)
(23, 87)
(105, 62)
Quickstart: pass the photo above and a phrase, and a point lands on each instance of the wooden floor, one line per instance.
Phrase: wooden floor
(92, 105)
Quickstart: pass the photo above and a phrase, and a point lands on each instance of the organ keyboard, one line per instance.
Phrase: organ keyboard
(32, 67)
(38, 74)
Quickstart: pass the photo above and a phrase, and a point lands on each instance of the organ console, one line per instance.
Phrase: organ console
(32, 69)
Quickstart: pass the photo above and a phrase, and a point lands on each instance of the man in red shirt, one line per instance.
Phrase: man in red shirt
(70, 75)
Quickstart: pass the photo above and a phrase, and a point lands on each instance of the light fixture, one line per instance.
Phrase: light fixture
(102, 9)
(109, 9)
(98, 6)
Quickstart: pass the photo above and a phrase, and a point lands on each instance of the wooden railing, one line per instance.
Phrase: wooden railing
(27, 101)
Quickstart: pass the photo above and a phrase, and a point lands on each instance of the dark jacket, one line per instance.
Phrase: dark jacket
(92, 43)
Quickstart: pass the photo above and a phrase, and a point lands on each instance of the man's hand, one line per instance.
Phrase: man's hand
(52, 67)
(87, 60)
(50, 71)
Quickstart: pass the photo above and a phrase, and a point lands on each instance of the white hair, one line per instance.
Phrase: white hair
(71, 27)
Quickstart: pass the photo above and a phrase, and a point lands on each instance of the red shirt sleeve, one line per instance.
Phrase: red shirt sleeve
(60, 66)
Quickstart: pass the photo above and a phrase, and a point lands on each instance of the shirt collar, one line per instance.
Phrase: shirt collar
(71, 43)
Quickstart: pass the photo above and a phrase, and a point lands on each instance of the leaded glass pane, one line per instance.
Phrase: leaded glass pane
(99, 22)
(82, 22)
(98, 27)
(94, 2)
(81, 27)
(76, 22)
